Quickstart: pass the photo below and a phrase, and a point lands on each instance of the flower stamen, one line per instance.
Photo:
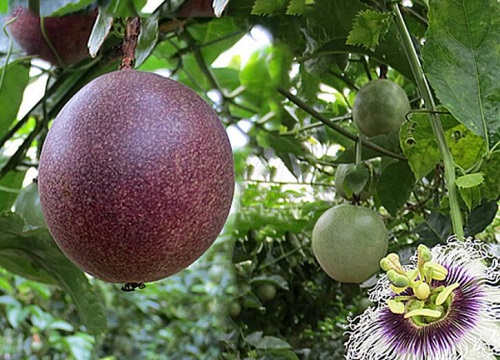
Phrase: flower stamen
(428, 301)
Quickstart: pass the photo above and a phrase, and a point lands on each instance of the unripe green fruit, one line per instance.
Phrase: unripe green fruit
(235, 309)
(380, 107)
(266, 292)
(349, 241)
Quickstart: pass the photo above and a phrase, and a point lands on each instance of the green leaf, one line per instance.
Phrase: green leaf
(329, 24)
(268, 7)
(471, 196)
(28, 206)
(125, 8)
(147, 39)
(461, 61)
(63, 7)
(470, 180)
(368, 27)
(435, 229)
(258, 341)
(296, 7)
(480, 218)
(490, 189)
(419, 145)
(216, 33)
(38, 258)
(4, 7)
(10, 185)
(15, 80)
(271, 279)
(467, 148)
(100, 31)
(397, 175)
(357, 178)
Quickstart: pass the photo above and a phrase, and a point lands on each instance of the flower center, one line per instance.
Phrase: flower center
(417, 294)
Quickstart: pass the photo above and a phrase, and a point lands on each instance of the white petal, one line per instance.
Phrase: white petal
(475, 350)
(489, 332)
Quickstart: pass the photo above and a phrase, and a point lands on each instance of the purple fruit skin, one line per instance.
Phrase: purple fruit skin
(196, 8)
(68, 34)
(136, 177)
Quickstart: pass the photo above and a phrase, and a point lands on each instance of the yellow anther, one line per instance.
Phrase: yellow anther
(424, 254)
(398, 280)
(443, 295)
(396, 307)
(391, 262)
(435, 271)
(424, 312)
(397, 290)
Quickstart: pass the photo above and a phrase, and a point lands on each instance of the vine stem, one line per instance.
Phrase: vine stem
(328, 122)
(437, 128)
(130, 43)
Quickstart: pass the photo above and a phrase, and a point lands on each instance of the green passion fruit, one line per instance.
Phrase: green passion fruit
(266, 292)
(380, 107)
(349, 241)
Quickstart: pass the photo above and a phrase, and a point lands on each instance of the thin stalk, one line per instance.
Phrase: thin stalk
(49, 42)
(437, 128)
(302, 105)
(359, 150)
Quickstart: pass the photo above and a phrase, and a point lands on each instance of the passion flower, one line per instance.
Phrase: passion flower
(445, 306)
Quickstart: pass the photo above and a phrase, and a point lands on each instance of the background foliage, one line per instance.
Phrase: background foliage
(258, 293)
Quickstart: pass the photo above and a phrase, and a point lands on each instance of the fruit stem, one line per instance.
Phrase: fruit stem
(49, 43)
(359, 150)
(130, 43)
(437, 128)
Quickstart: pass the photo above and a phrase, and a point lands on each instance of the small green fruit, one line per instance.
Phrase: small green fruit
(349, 241)
(380, 107)
(266, 292)
(235, 309)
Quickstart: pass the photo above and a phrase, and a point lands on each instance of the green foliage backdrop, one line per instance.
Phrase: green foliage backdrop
(259, 292)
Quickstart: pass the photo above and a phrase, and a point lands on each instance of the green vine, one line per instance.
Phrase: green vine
(437, 128)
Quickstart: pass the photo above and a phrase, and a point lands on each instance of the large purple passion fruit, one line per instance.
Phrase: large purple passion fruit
(136, 177)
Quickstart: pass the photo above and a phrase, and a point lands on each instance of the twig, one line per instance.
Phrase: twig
(130, 43)
(336, 127)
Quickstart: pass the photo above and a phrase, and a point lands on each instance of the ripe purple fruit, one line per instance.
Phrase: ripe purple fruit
(196, 8)
(68, 35)
(136, 177)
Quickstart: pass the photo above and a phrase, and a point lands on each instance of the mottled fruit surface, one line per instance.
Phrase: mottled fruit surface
(136, 177)
(349, 241)
(68, 35)
(380, 107)
(196, 8)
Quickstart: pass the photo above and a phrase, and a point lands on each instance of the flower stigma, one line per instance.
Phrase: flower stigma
(418, 293)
